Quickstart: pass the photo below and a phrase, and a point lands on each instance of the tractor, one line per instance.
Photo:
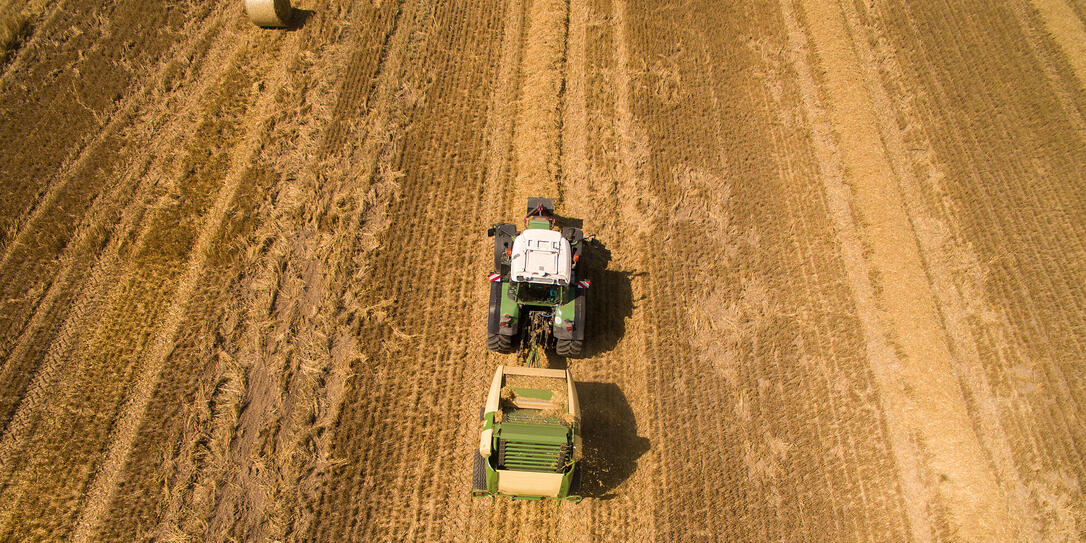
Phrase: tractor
(536, 298)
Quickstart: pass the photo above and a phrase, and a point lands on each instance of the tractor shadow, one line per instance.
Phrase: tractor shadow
(610, 300)
(564, 221)
(610, 303)
(610, 441)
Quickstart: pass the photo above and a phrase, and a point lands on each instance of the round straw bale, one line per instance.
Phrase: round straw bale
(269, 13)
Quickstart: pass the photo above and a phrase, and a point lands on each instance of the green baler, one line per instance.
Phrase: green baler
(530, 442)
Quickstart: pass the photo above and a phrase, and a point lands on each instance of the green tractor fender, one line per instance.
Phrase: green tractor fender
(569, 317)
(503, 320)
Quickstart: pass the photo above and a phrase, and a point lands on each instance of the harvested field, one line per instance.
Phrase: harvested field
(838, 266)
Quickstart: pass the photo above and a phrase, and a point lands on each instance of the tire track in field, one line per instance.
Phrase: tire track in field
(497, 201)
(93, 284)
(784, 337)
(503, 111)
(1068, 31)
(1002, 201)
(629, 226)
(536, 163)
(955, 302)
(916, 378)
(397, 434)
(79, 161)
(594, 188)
(86, 235)
(203, 454)
(536, 132)
(1047, 56)
(32, 12)
(139, 297)
(574, 139)
(161, 345)
(761, 420)
(82, 98)
(302, 301)
(39, 230)
(674, 394)
(915, 495)
(294, 330)
(348, 218)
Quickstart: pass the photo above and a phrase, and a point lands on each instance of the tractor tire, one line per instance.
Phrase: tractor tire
(569, 347)
(478, 473)
(499, 343)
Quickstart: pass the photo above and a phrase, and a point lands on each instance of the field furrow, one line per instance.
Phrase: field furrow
(748, 366)
(319, 254)
(18, 33)
(1067, 29)
(1050, 58)
(611, 377)
(162, 344)
(538, 122)
(82, 85)
(89, 269)
(1015, 282)
(400, 428)
(115, 347)
(111, 181)
(922, 364)
(276, 234)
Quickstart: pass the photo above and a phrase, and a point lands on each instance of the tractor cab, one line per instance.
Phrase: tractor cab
(541, 257)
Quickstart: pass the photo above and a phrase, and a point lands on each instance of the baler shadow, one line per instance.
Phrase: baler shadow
(610, 442)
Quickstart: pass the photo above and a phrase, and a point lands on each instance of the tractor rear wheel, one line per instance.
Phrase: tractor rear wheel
(499, 343)
(569, 347)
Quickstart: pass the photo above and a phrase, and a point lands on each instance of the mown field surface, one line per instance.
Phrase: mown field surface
(837, 283)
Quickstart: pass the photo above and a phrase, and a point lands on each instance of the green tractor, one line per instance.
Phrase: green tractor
(536, 298)
(530, 442)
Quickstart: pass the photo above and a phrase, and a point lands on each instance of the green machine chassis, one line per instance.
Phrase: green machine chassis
(530, 437)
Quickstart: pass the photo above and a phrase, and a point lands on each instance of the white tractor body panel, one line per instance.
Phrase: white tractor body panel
(541, 256)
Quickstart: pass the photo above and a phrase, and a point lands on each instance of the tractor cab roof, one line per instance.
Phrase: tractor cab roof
(541, 256)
